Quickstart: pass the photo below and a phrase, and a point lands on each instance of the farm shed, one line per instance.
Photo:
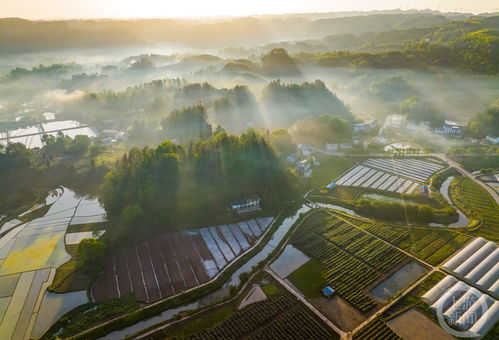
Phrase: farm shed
(331, 185)
(433, 294)
(465, 253)
(487, 320)
(328, 291)
(248, 204)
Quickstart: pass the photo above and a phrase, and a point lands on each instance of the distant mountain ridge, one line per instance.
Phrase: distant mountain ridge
(25, 36)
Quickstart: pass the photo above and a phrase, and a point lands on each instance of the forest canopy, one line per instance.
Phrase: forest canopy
(485, 123)
(171, 186)
(287, 103)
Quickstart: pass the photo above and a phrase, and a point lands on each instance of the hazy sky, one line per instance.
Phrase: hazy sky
(36, 9)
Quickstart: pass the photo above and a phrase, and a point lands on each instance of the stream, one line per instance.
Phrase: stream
(463, 220)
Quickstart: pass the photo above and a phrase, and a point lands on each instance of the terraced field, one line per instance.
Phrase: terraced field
(353, 259)
(477, 203)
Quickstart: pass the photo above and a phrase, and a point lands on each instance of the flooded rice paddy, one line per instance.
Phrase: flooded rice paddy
(398, 280)
(29, 255)
(290, 260)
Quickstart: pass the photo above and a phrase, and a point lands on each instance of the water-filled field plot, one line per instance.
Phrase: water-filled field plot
(395, 175)
(172, 263)
(29, 255)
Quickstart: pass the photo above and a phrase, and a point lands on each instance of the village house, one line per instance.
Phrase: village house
(451, 129)
(246, 205)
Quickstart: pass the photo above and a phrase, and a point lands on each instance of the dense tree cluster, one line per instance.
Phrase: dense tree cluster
(321, 130)
(394, 89)
(237, 109)
(171, 185)
(187, 124)
(475, 51)
(286, 103)
(43, 70)
(278, 63)
(418, 110)
(485, 123)
(25, 173)
(404, 212)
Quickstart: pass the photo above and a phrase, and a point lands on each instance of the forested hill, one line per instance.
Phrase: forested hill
(171, 186)
(471, 45)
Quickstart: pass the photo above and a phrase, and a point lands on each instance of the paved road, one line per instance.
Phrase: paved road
(458, 166)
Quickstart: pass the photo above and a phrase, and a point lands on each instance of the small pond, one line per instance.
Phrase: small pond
(290, 260)
(399, 280)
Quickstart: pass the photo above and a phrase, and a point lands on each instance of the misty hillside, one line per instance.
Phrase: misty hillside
(21, 36)
(373, 23)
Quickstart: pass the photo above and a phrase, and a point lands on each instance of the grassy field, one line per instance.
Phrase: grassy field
(478, 205)
(101, 312)
(309, 278)
(69, 277)
(330, 168)
(351, 259)
(76, 228)
(111, 155)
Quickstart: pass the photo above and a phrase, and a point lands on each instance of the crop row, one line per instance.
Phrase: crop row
(296, 324)
(376, 329)
(274, 318)
(475, 201)
(389, 234)
(369, 249)
(348, 275)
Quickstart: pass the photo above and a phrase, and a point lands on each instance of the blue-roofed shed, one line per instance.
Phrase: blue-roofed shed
(328, 291)
(331, 185)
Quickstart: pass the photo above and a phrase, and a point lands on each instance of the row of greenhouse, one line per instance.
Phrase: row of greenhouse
(462, 306)
(477, 264)
(395, 175)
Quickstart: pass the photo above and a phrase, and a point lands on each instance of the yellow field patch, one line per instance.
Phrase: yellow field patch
(35, 252)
